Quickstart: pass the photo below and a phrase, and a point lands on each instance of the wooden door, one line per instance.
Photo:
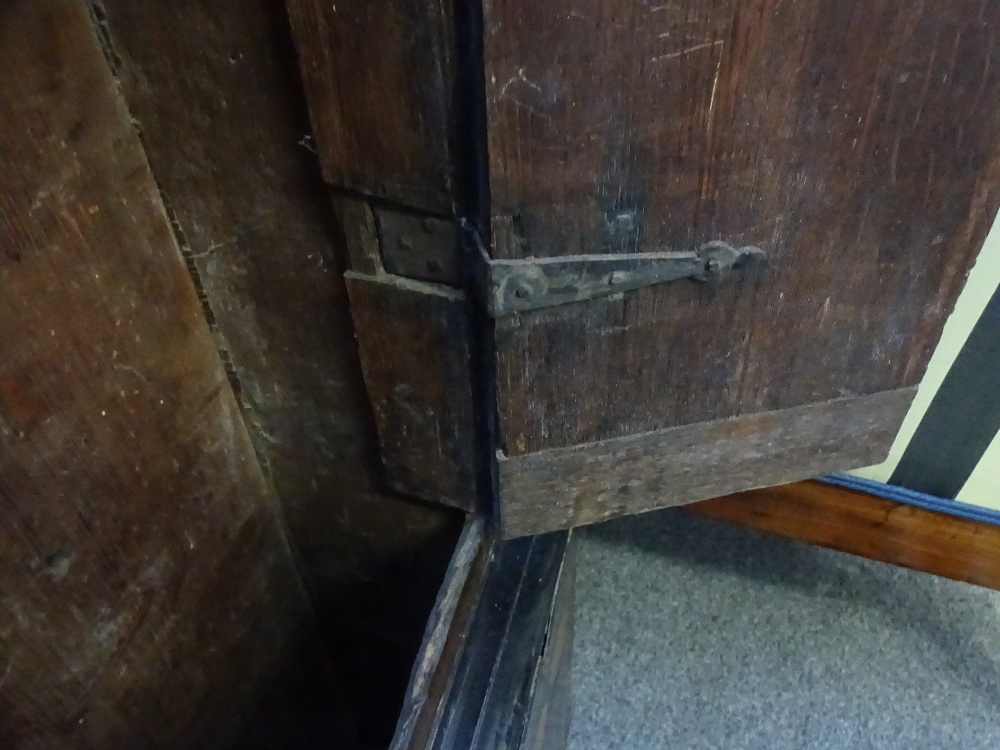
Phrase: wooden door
(682, 249)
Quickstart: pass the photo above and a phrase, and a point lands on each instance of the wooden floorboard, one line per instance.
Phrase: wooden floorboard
(869, 526)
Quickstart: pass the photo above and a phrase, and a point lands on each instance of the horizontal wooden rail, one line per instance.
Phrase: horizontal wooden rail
(869, 526)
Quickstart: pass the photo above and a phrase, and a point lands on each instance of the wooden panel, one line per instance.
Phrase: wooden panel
(380, 79)
(869, 526)
(413, 339)
(215, 89)
(147, 592)
(589, 483)
(857, 143)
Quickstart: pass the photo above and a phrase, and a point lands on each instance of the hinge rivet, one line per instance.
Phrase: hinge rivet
(522, 291)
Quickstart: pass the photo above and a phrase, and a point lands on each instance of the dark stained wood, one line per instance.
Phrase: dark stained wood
(551, 707)
(357, 222)
(413, 338)
(380, 78)
(216, 91)
(147, 592)
(444, 637)
(573, 486)
(869, 526)
(857, 143)
(502, 649)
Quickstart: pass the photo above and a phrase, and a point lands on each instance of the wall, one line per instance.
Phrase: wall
(949, 443)
(183, 424)
(148, 594)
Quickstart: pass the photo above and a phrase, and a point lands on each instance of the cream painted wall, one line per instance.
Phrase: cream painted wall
(983, 487)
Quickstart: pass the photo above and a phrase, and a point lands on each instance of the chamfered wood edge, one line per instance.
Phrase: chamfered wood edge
(550, 707)
(869, 526)
(444, 634)
(584, 484)
(477, 676)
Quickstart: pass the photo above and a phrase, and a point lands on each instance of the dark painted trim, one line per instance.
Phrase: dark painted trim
(962, 419)
(913, 497)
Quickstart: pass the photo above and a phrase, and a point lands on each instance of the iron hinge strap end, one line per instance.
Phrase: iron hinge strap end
(515, 286)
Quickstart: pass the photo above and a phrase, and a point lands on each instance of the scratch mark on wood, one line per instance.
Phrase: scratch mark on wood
(523, 79)
(927, 82)
(683, 52)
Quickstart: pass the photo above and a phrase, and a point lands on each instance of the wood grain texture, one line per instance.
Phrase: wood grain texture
(551, 708)
(868, 526)
(216, 92)
(147, 592)
(589, 483)
(413, 339)
(504, 644)
(379, 78)
(857, 143)
(357, 223)
(444, 637)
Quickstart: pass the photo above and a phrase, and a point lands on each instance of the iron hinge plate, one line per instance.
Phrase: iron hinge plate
(515, 286)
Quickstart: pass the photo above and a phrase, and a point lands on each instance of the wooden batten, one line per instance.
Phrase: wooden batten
(590, 483)
(413, 338)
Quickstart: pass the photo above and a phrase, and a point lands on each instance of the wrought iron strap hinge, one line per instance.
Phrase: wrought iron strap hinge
(514, 286)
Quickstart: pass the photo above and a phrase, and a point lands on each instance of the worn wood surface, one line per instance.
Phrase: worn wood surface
(551, 708)
(413, 339)
(444, 637)
(573, 486)
(857, 143)
(501, 665)
(869, 526)
(147, 592)
(357, 224)
(216, 92)
(380, 79)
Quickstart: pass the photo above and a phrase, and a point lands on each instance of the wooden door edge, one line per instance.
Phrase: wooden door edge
(866, 525)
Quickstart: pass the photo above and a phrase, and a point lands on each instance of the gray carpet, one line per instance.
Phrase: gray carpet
(697, 634)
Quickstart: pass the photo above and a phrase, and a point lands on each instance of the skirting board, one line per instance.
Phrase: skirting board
(961, 542)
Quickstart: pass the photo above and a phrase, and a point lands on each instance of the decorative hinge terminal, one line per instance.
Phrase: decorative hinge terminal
(515, 286)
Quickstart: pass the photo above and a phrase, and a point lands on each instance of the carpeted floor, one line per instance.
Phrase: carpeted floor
(696, 634)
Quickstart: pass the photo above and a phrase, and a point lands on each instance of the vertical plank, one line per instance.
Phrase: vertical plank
(856, 143)
(215, 89)
(413, 337)
(146, 587)
(380, 79)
